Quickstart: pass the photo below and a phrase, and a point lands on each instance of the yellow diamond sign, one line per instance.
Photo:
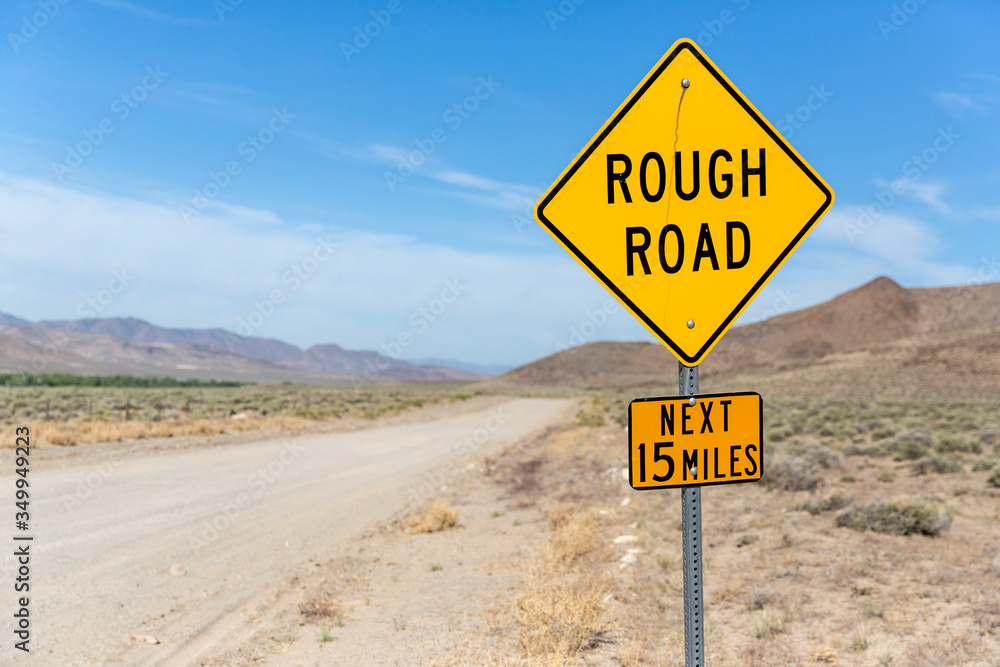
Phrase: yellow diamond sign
(685, 203)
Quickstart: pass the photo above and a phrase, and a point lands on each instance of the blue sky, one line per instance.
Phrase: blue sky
(193, 163)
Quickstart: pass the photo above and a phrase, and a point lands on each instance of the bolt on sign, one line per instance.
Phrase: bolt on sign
(695, 440)
(685, 203)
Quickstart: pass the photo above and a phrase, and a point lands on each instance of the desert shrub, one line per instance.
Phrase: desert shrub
(791, 474)
(994, 477)
(955, 443)
(868, 450)
(909, 447)
(989, 436)
(814, 424)
(796, 425)
(917, 435)
(920, 517)
(985, 463)
(589, 418)
(819, 504)
(886, 476)
(938, 464)
(883, 432)
(820, 456)
(778, 434)
(799, 471)
(850, 431)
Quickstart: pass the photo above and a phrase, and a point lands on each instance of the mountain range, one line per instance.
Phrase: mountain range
(133, 346)
(877, 338)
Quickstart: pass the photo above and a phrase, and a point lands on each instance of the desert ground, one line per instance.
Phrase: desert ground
(492, 523)
(165, 552)
(872, 540)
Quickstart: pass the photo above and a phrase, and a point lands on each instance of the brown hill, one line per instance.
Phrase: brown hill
(877, 312)
(890, 327)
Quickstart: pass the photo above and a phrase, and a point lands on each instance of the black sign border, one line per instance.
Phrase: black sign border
(696, 397)
(664, 338)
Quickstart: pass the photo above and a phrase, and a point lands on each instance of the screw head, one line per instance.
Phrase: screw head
(692, 401)
(690, 324)
(694, 471)
(685, 83)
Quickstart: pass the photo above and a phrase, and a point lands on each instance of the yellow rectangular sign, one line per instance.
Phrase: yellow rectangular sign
(695, 440)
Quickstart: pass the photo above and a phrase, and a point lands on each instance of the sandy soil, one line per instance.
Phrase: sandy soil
(783, 586)
(201, 548)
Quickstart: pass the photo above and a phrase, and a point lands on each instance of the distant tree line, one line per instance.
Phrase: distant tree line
(67, 380)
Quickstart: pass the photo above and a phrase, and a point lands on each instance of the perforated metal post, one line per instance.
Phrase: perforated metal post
(694, 632)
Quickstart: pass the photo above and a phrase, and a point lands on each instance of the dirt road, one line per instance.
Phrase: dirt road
(189, 548)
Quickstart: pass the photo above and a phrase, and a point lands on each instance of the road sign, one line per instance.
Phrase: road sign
(695, 440)
(685, 203)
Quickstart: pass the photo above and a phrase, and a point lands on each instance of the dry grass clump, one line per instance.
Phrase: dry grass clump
(573, 536)
(560, 514)
(84, 432)
(900, 517)
(558, 617)
(319, 608)
(826, 656)
(771, 622)
(433, 518)
(560, 609)
(947, 650)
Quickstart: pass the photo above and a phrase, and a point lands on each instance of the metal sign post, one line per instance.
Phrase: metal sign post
(694, 634)
(609, 210)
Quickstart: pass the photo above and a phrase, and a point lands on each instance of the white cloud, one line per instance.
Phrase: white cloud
(850, 247)
(495, 194)
(246, 214)
(988, 213)
(903, 246)
(221, 100)
(63, 246)
(927, 192)
(464, 185)
(957, 102)
(150, 14)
